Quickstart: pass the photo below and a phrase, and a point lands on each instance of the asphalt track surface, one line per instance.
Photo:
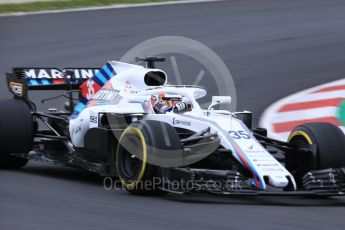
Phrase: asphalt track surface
(273, 48)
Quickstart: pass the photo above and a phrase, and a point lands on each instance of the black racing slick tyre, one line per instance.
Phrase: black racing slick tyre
(326, 143)
(136, 145)
(16, 133)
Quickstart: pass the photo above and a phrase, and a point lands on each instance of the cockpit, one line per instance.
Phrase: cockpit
(170, 98)
(163, 103)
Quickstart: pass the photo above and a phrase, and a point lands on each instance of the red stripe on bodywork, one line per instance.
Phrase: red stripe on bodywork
(107, 85)
(92, 103)
(330, 88)
(288, 126)
(240, 154)
(311, 104)
(59, 81)
(245, 162)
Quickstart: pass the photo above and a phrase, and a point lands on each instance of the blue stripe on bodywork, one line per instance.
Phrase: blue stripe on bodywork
(32, 82)
(77, 109)
(252, 137)
(83, 100)
(262, 184)
(105, 74)
(109, 69)
(46, 82)
(100, 77)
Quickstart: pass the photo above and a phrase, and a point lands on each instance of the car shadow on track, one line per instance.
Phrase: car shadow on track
(63, 173)
(259, 200)
(79, 176)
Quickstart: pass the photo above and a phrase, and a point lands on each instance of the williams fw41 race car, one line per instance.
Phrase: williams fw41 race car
(125, 121)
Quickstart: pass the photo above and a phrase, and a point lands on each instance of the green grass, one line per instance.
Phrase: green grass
(63, 4)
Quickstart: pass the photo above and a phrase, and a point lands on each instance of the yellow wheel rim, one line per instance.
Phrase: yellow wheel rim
(300, 133)
(131, 184)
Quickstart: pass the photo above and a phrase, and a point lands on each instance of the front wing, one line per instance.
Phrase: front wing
(323, 183)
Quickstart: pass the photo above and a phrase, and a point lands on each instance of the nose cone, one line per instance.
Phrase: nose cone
(278, 181)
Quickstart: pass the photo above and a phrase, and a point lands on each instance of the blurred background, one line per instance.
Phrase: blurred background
(273, 48)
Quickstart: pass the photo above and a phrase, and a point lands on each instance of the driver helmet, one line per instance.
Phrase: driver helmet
(163, 103)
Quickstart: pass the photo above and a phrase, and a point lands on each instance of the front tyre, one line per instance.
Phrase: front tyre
(137, 144)
(131, 161)
(326, 144)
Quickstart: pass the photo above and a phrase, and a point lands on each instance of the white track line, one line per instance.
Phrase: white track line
(304, 114)
(270, 114)
(115, 6)
(319, 96)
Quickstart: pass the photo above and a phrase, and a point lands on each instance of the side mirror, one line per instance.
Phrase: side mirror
(69, 106)
(219, 100)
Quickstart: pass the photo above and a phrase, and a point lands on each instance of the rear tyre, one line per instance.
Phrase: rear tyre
(16, 133)
(136, 145)
(326, 142)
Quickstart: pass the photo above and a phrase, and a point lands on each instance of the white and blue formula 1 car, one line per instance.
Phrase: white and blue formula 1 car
(126, 122)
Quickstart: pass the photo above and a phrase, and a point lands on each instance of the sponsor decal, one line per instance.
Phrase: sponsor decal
(182, 122)
(16, 88)
(263, 160)
(94, 119)
(90, 89)
(128, 86)
(54, 73)
(108, 95)
(105, 97)
(146, 107)
(240, 134)
(78, 126)
(77, 129)
(267, 165)
(272, 169)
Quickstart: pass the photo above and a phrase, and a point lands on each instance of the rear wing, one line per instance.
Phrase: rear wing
(23, 79)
